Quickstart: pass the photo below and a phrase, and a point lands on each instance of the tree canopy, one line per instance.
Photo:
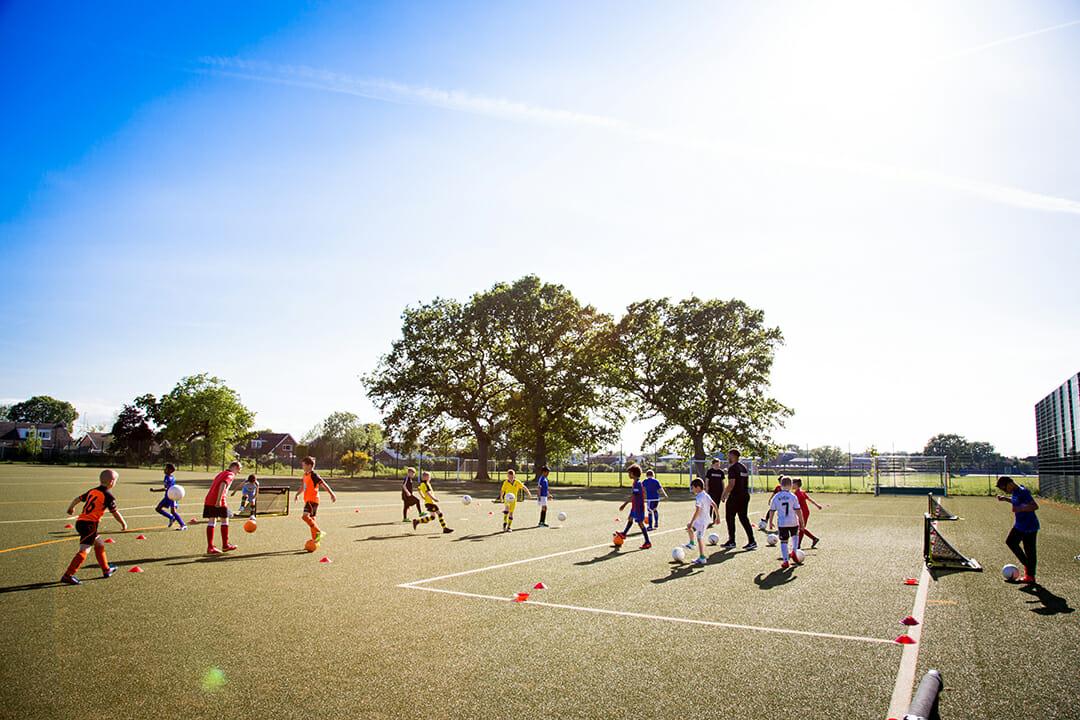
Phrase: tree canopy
(702, 368)
(132, 434)
(44, 409)
(202, 408)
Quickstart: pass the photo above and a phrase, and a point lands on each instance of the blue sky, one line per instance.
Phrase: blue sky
(259, 195)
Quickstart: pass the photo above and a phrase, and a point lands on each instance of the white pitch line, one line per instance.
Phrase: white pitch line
(148, 507)
(662, 618)
(905, 676)
(415, 583)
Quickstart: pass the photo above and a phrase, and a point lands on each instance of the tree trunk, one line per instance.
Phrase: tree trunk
(697, 467)
(483, 452)
(539, 441)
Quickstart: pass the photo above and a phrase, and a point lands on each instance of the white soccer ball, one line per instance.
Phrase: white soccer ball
(713, 538)
(466, 499)
(800, 556)
(1010, 572)
(771, 539)
(678, 554)
(761, 524)
(510, 497)
(176, 493)
(562, 517)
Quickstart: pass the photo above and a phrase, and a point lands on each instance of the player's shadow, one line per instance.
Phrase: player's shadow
(232, 557)
(476, 538)
(30, 586)
(774, 579)
(609, 555)
(678, 572)
(1051, 604)
(722, 556)
(371, 538)
(381, 524)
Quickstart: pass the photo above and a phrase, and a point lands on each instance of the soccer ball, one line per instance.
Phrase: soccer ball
(1010, 572)
(678, 554)
(772, 539)
(466, 499)
(250, 525)
(176, 493)
(761, 524)
(617, 539)
(713, 538)
(311, 546)
(510, 497)
(800, 556)
(562, 517)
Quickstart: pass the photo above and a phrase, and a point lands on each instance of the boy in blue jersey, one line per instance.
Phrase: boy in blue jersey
(168, 507)
(542, 495)
(248, 492)
(1021, 539)
(637, 505)
(653, 490)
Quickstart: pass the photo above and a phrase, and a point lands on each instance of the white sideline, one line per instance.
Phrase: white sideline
(905, 676)
(419, 585)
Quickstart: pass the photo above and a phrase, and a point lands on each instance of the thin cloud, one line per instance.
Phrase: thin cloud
(1004, 41)
(399, 93)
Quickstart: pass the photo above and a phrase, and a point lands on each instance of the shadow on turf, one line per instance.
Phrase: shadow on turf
(776, 578)
(475, 538)
(382, 524)
(609, 555)
(678, 572)
(30, 586)
(1051, 604)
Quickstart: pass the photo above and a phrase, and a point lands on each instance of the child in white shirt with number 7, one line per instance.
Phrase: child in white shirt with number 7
(788, 519)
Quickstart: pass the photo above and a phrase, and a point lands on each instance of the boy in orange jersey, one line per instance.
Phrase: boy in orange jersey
(95, 503)
(216, 510)
(310, 488)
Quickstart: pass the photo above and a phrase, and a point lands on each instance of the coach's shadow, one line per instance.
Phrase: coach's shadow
(774, 579)
(1051, 604)
(678, 572)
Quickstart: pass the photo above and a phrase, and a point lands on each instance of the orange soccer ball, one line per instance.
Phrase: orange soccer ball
(311, 546)
(617, 539)
(250, 526)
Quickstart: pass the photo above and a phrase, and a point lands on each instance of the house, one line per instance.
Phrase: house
(280, 446)
(54, 436)
(93, 443)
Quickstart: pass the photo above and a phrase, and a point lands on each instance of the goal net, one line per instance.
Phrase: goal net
(939, 552)
(909, 475)
(272, 500)
(470, 467)
(937, 510)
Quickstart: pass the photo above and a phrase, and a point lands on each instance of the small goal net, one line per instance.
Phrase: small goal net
(272, 500)
(937, 510)
(910, 475)
(940, 553)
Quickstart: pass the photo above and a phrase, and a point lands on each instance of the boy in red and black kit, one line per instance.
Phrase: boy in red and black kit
(310, 488)
(804, 506)
(215, 509)
(95, 503)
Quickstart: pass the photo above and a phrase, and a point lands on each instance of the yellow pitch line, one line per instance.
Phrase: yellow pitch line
(73, 537)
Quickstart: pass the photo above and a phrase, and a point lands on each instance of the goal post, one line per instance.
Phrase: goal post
(910, 475)
(939, 553)
(937, 511)
(272, 500)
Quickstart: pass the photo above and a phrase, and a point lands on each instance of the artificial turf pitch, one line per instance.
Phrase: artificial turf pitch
(420, 625)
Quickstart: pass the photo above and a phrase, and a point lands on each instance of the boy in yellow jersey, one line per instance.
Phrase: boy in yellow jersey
(95, 503)
(510, 488)
(431, 503)
(310, 488)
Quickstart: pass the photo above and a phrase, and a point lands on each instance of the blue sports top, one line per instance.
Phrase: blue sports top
(1025, 521)
(652, 488)
(542, 486)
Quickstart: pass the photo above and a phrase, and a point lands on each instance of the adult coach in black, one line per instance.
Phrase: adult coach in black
(714, 485)
(737, 497)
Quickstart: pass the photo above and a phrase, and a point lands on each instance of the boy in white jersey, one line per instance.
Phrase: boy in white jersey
(699, 521)
(788, 519)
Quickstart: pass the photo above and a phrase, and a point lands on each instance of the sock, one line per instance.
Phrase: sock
(543, 514)
(505, 524)
(509, 519)
(209, 536)
(77, 561)
(102, 560)
(225, 534)
(644, 531)
(629, 524)
(442, 521)
(795, 542)
(177, 518)
(783, 551)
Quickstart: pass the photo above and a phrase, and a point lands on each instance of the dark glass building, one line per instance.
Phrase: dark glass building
(1057, 428)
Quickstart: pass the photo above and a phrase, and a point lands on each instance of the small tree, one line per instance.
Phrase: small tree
(354, 461)
(32, 444)
(828, 457)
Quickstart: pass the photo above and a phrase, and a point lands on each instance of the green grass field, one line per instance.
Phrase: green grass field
(422, 625)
